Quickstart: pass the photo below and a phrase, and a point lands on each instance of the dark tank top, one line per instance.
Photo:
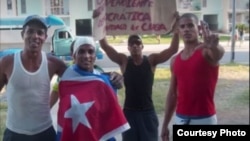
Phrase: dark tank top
(138, 81)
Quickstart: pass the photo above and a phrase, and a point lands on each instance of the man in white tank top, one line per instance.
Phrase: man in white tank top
(27, 76)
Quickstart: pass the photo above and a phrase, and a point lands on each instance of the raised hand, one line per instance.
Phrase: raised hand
(116, 80)
(211, 40)
(213, 51)
(176, 23)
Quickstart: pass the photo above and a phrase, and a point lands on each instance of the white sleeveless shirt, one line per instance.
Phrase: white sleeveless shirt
(28, 98)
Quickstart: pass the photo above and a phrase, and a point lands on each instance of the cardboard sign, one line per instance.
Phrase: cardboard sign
(124, 17)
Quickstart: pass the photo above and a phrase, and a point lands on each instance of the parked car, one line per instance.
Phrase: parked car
(61, 41)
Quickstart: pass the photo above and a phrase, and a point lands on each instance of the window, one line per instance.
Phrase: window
(185, 4)
(64, 35)
(204, 3)
(23, 6)
(57, 7)
(90, 5)
(83, 27)
(9, 4)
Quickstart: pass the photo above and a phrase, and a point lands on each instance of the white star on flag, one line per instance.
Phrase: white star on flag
(77, 112)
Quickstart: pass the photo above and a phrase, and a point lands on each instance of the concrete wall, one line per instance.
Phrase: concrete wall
(4, 12)
(78, 10)
(32, 7)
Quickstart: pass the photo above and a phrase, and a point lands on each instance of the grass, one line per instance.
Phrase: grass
(232, 90)
(244, 98)
(230, 71)
(3, 108)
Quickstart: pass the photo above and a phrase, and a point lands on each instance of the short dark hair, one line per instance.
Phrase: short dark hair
(134, 37)
(190, 15)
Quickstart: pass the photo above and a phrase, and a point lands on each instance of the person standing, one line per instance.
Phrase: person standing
(241, 34)
(87, 97)
(194, 75)
(138, 71)
(27, 76)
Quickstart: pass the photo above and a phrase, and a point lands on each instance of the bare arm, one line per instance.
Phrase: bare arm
(212, 51)
(116, 57)
(6, 66)
(56, 66)
(164, 55)
(54, 95)
(214, 54)
(53, 98)
(3, 78)
(116, 80)
(170, 106)
(113, 55)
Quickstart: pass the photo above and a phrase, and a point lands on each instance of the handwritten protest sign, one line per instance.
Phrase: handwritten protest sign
(124, 17)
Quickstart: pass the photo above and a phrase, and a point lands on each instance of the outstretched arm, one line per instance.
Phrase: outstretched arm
(213, 52)
(171, 101)
(116, 57)
(109, 50)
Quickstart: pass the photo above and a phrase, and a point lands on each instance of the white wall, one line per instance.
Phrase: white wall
(78, 10)
(3, 9)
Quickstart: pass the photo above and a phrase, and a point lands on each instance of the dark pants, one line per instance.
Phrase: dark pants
(47, 135)
(144, 126)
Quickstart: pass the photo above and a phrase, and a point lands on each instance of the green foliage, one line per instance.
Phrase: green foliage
(243, 27)
(3, 107)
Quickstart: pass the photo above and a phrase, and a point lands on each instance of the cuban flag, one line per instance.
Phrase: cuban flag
(88, 108)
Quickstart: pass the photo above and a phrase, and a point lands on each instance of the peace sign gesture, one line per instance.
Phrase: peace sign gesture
(211, 40)
(213, 51)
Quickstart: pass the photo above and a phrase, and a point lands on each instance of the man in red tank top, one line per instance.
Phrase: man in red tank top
(194, 74)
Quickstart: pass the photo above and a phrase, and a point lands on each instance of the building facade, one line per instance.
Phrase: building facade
(77, 14)
(217, 13)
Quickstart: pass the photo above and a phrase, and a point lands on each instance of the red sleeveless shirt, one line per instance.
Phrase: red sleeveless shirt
(196, 82)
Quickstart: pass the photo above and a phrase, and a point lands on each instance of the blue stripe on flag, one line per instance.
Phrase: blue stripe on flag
(104, 77)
